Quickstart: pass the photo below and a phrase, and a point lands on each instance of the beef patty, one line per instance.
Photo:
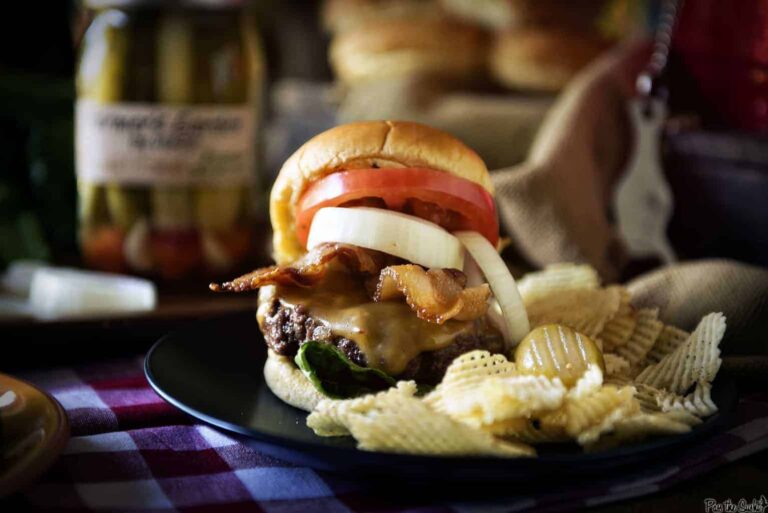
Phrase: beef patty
(286, 328)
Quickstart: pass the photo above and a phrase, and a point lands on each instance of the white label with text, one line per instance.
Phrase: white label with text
(149, 144)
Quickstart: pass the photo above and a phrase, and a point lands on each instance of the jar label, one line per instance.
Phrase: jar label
(149, 144)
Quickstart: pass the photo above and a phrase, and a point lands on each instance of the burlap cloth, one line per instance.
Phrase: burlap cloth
(555, 207)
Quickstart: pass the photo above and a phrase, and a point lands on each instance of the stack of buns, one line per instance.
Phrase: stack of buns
(547, 42)
(535, 45)
(392, 39)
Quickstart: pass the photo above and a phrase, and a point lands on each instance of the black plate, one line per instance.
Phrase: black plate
(213, 371)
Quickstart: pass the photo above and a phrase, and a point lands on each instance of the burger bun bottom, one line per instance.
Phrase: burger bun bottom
(289, 384)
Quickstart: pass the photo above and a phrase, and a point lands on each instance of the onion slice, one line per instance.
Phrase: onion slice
(502, 284)
(408, 237)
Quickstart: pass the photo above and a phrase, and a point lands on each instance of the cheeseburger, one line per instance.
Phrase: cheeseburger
(385, 237)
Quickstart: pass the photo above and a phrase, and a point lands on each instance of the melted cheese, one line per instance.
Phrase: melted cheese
(389, 334)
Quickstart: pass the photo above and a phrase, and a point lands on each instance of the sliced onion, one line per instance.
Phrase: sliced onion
(394, 233)
(502, 284)
(496, 318)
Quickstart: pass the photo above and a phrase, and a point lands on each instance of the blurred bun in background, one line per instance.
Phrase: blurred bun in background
(494, 14)
(543, 58)
(485, 71)
(394, 48)
(341, 15)
(547, 42)
(579, 14)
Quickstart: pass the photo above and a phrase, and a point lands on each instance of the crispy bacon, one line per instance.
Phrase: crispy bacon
(435, 295)
(311, 268)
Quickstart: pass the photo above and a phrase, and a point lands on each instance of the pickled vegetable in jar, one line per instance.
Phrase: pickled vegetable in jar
(168, 114)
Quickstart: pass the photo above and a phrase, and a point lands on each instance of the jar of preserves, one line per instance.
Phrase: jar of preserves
(169, 101)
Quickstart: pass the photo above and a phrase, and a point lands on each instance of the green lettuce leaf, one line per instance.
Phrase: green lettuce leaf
(335, 375)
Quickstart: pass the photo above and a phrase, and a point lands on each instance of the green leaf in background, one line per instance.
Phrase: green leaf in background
(22, 238)
(335, 375)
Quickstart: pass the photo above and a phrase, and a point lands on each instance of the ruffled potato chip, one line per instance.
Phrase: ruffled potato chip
(331, 416)
(499, 399)
(584, 310)
(561, 386)
(530, 431)
(466, 372)
(477, 365)
(648, 397)
(647, 329)
(555, 278)
(397, 421)
(408, 425)
(667, 342)
(638, 427)
(617, 332)
(586, 418)
(699, 402)
(589, 383)
(695, 361)
(557, 351)
(615, 365)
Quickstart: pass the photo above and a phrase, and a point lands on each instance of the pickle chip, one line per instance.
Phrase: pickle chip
(557, 351)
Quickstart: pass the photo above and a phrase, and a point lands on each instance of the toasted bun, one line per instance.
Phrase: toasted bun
(360, 145)
(542, 59)
(289, 384)
(341, 15)
(405, 47)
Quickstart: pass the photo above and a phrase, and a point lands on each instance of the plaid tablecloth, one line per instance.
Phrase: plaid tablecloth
(130, 451)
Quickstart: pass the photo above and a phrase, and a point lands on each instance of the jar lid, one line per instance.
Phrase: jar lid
(196, 4)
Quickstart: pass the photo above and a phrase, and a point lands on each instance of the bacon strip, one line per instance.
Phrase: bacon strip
(435, 295)
(310, 269)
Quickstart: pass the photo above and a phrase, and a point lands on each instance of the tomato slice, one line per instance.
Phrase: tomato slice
(452, 202)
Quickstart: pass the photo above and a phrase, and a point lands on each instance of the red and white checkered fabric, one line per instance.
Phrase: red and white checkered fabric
(132, 452)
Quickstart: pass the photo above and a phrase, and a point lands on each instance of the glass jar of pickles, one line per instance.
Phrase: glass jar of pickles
(169, 103)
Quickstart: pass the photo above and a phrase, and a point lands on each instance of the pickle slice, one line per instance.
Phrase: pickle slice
(172, 208)
(220, 79)
(106, 85)
(217, 208)
(554, 350)
(126, 204)
(102, 68)
(172, 205)
(92, 204)
(175, 64)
